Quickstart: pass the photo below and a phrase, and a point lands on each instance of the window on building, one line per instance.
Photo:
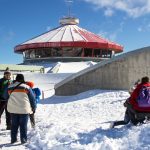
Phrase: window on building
(88, 52)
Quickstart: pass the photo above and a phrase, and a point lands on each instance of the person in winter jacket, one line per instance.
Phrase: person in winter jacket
(21, 103)
(126, 117)
(133, 107)
(4, 83)
(37, 94)
(131, 104)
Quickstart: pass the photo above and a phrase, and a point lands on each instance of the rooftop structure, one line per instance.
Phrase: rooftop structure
(67, 42)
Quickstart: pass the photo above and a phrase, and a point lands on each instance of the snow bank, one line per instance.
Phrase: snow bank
(79, 122)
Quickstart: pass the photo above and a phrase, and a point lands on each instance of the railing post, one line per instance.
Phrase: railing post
(42, 94)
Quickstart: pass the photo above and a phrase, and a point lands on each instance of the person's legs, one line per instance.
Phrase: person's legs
(126, 117)
(141, 117)
(122, 122)
(132, 117)
(8, 119)
(2, 107)
(32, 120)
(117, 123)
(23, 127)
(14, 127)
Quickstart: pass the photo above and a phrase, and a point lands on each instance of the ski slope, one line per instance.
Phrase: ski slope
(78, 122)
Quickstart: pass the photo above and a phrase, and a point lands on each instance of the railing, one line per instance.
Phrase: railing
(43, 92)
(20, 68)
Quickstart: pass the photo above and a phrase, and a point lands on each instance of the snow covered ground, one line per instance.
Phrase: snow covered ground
(79, 122)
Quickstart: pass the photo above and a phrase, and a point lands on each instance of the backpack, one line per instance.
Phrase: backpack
(143, 99)
(37, 93)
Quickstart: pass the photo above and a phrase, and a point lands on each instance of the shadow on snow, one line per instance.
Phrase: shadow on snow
(66, 99)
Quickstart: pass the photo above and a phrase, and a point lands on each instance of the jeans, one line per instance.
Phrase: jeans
(32, 120)
(19, 120)
(123, 122)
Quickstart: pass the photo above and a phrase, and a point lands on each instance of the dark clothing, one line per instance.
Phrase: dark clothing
(19, 120)
(3, 106)
(123, 122)
(4, 83)
(117, 123)
(133, 115)
(32, 120)
(134, 119)
(37, 93)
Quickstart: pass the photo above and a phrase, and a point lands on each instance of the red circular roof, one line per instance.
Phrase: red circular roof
(68, 36)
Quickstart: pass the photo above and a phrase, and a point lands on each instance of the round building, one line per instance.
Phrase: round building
(68, 42)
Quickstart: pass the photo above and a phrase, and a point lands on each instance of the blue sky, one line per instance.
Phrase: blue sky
(126, 22)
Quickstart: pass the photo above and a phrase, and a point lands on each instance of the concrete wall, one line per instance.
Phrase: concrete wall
(118, 73)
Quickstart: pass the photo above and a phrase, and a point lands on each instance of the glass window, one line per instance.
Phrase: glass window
(56, 52)
(88, 52)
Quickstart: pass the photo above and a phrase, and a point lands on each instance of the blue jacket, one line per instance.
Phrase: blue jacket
(37, 93)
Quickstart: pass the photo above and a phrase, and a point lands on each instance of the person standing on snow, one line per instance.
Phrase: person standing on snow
(37, 94)
(21, 103)
(4, 83)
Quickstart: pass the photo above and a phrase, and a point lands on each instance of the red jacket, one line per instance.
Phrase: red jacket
(134, 96)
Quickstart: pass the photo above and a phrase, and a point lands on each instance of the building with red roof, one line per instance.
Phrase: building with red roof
(68, 42)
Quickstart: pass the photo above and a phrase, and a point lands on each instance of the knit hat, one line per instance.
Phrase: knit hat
(29, 83)
(145, 79)
(20, 78)
(7, 72)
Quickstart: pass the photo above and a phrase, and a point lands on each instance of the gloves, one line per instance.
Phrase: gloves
(125, 104)
(33, 110)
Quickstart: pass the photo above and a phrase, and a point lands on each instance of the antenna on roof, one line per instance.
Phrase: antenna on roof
(69, 2)
(69, 20)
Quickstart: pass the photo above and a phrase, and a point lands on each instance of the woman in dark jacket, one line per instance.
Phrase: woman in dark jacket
(4, 83)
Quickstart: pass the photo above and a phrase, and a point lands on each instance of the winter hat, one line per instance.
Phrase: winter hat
(7, 72)
(20, 78)
(145, 79)
(29, 83)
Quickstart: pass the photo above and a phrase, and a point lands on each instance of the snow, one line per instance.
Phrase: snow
(78, 122)
(74, 67)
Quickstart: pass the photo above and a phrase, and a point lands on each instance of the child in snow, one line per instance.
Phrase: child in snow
(126, 117)
(37, 94)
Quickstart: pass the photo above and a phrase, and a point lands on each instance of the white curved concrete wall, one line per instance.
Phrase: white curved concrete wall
(115, 74)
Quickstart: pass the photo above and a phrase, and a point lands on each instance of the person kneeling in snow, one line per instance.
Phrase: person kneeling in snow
(139, 102)
(133, 110)
(37, 94)
(21, 102)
